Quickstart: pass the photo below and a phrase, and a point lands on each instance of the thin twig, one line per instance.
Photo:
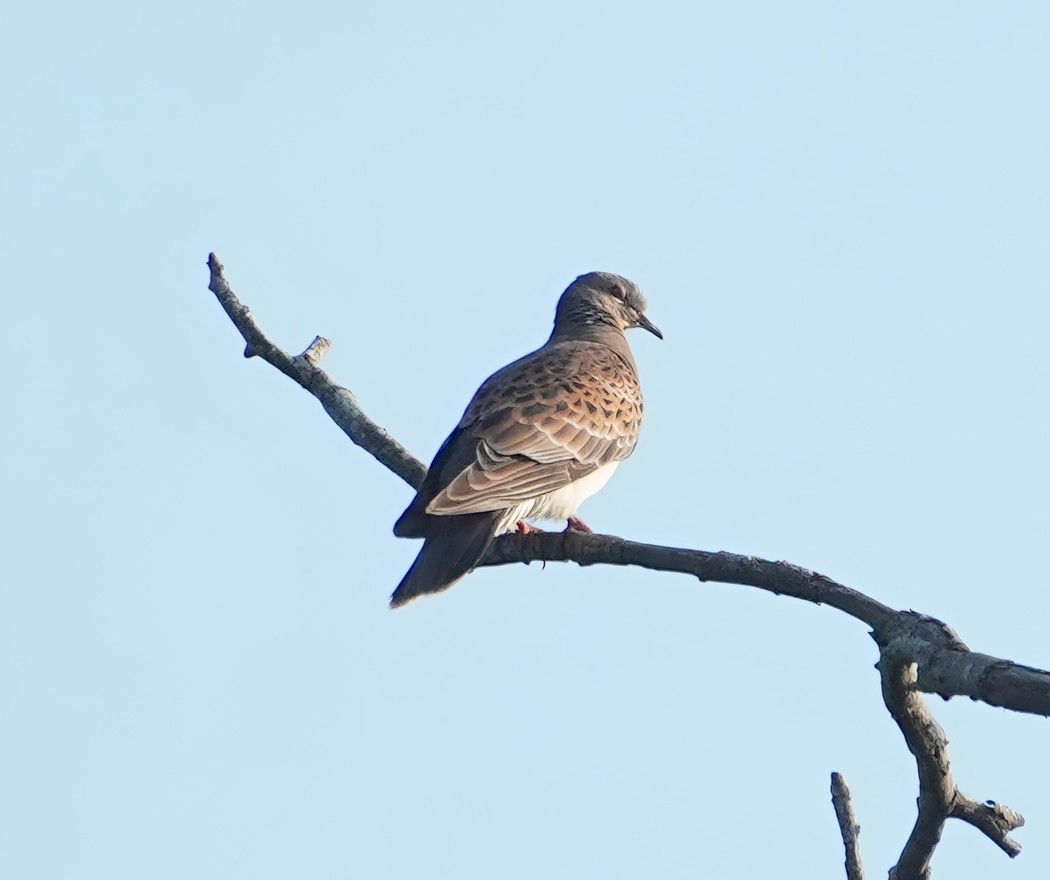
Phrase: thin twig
(848, 827)
(340, 404)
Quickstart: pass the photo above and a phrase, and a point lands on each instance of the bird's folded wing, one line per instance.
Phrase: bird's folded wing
(526, 451)
(502, 482)
(537, 425)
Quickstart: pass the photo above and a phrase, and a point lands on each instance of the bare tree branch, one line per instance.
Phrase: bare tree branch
(848, 827)
(918, 653)
(993, 819)
(339, 403)
(926, 742)
(939, 797)
(928, 640)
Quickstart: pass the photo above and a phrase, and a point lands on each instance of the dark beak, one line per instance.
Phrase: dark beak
(646, 324)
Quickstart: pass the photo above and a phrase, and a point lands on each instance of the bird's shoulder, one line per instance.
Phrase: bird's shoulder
(576, 380)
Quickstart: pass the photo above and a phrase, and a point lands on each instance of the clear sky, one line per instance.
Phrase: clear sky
(840, 214)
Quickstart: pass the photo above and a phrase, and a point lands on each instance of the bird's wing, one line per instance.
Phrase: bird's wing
(541, 423)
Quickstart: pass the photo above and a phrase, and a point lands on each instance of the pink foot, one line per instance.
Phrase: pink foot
(524, 528)
(577, 525)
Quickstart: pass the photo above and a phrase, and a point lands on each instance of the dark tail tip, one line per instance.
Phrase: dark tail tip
(427, 575)
(453, 546)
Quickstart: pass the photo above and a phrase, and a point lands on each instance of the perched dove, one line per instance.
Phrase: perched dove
(539, 437)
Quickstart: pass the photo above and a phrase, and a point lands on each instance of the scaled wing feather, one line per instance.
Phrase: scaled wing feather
(530, 441)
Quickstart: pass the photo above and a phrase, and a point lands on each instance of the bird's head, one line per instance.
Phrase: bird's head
(599, 298)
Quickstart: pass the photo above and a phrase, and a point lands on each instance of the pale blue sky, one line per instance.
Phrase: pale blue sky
(840, 215)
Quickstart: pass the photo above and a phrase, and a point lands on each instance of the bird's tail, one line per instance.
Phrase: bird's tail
(453, 546)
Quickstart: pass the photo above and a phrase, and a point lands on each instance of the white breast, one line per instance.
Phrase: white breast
(561, 503)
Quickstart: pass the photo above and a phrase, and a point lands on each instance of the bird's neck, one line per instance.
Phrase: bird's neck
(601, 333)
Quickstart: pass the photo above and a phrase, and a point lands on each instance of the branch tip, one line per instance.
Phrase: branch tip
(339, 403)
(848, 827)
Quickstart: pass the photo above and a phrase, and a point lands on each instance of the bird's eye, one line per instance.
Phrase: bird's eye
(617, 291)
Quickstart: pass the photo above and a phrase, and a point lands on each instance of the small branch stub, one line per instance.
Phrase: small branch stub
(316, 350)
